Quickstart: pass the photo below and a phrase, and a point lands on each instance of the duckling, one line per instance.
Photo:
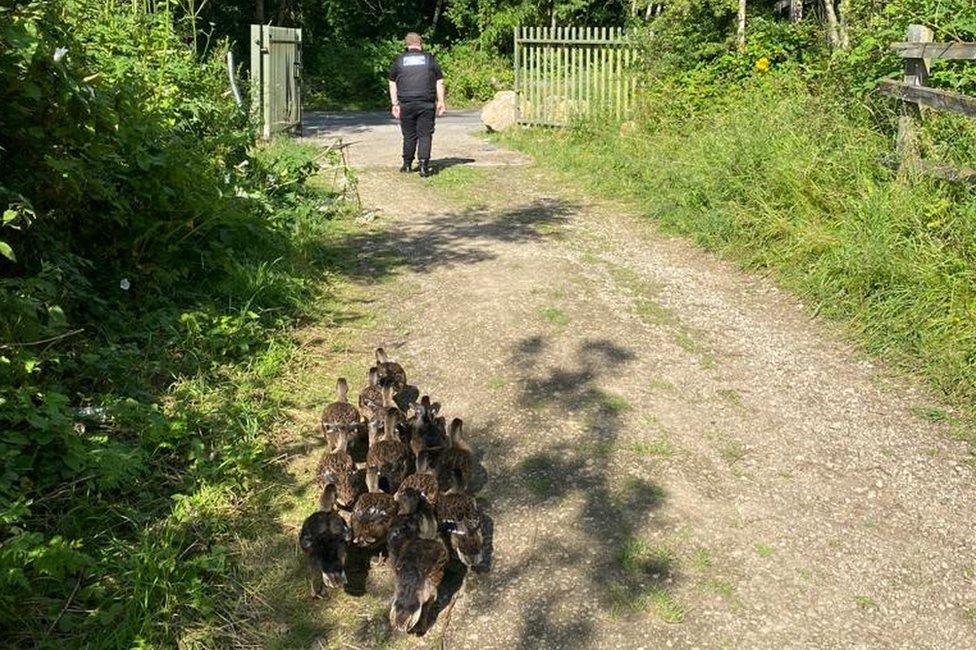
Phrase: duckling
(373, 514)
(339, 469)
(426, 425)
(377, 423)
(340, 414)
(418, 572)
(388, 457)
(371, 397)
(457, 458)
(323, 539)
(460, 517)
(424, 480)
(415, 520)
(390, 372)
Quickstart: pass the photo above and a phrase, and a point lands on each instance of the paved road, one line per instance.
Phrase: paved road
(374, 139)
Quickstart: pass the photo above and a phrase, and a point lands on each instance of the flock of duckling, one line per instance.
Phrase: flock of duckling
(415, 494)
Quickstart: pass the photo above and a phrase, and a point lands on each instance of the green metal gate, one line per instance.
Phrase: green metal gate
(563, 72)
(276, 78)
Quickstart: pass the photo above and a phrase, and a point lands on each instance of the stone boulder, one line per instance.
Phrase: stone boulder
(500, 113)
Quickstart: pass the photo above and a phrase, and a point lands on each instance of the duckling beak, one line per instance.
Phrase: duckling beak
(403, 621)
(335, 580)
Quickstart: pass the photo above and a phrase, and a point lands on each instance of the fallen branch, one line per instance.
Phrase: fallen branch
(9, 346)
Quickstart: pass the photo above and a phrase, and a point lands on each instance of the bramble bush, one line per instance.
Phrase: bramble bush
(151, 262)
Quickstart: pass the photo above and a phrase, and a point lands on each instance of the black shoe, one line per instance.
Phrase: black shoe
(425, 169)
(407, 167)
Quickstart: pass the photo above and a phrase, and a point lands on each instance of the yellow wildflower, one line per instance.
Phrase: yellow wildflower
(762, 65)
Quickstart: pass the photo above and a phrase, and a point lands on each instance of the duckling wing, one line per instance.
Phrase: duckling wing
(455, 460)
(340, 413)
(336, 468)
(423, 483)
(428, 556)
(389, 454)
(392, 374)
(315, 526)
(455, 511)
(376, 508)
(371, 399)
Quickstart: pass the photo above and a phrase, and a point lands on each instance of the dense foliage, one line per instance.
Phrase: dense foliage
(349, 45)
(151, 256)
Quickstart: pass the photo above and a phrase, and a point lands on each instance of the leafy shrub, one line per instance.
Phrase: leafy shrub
(152, 258)
(474, 74)
(355, 77)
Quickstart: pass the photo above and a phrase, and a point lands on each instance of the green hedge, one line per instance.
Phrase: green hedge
(152, 260)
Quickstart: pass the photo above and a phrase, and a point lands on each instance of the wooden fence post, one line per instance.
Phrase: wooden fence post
(518, 73)
(916, 74)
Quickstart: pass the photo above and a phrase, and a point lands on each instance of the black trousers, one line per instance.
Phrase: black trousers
(417, 125)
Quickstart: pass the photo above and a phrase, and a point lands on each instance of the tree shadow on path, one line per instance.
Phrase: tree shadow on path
(598, 545)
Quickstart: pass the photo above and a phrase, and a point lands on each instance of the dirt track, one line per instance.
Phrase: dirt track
(677, 455)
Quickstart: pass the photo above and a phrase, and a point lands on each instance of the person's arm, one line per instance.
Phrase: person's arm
(441, 91)
(441, 94)
(394, 102)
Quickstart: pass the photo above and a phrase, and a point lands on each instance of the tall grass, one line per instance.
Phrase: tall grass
(790, 182)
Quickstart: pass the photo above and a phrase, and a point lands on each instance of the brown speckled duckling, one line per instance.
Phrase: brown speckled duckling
(419, 570)
(416, 520)
(390, 372)
(460, 517)
(424, 480)
(373, 515)
(427, 426)
(323, 539)
(457, 461)
(340, 414)
(371, 397)
(388, 457)
(339, 469)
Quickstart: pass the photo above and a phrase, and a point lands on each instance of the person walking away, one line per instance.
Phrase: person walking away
(417, 95)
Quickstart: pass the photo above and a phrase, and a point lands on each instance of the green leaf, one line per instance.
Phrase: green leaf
(8, 216)
(7, 251)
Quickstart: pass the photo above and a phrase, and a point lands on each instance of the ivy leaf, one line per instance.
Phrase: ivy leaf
(7, 251)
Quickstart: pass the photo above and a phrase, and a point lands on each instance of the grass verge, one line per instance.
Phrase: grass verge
(789, 182)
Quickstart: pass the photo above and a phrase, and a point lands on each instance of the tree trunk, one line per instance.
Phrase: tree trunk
(438, 11)
(843, 34)
(833, 37)
(796, 10)
(741, 32)
(259, 12)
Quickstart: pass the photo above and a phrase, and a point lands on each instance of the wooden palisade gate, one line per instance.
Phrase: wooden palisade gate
(562, 72)
(919, 51)
(276, 78)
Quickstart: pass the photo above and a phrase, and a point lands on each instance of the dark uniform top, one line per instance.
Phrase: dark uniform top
(416, 74)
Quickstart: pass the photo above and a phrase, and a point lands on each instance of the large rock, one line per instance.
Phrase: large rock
(499, 114)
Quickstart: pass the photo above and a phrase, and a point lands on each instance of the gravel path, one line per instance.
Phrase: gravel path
(677, 454)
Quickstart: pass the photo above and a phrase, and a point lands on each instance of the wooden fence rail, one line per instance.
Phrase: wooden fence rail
(563, 72)
(918, 50)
